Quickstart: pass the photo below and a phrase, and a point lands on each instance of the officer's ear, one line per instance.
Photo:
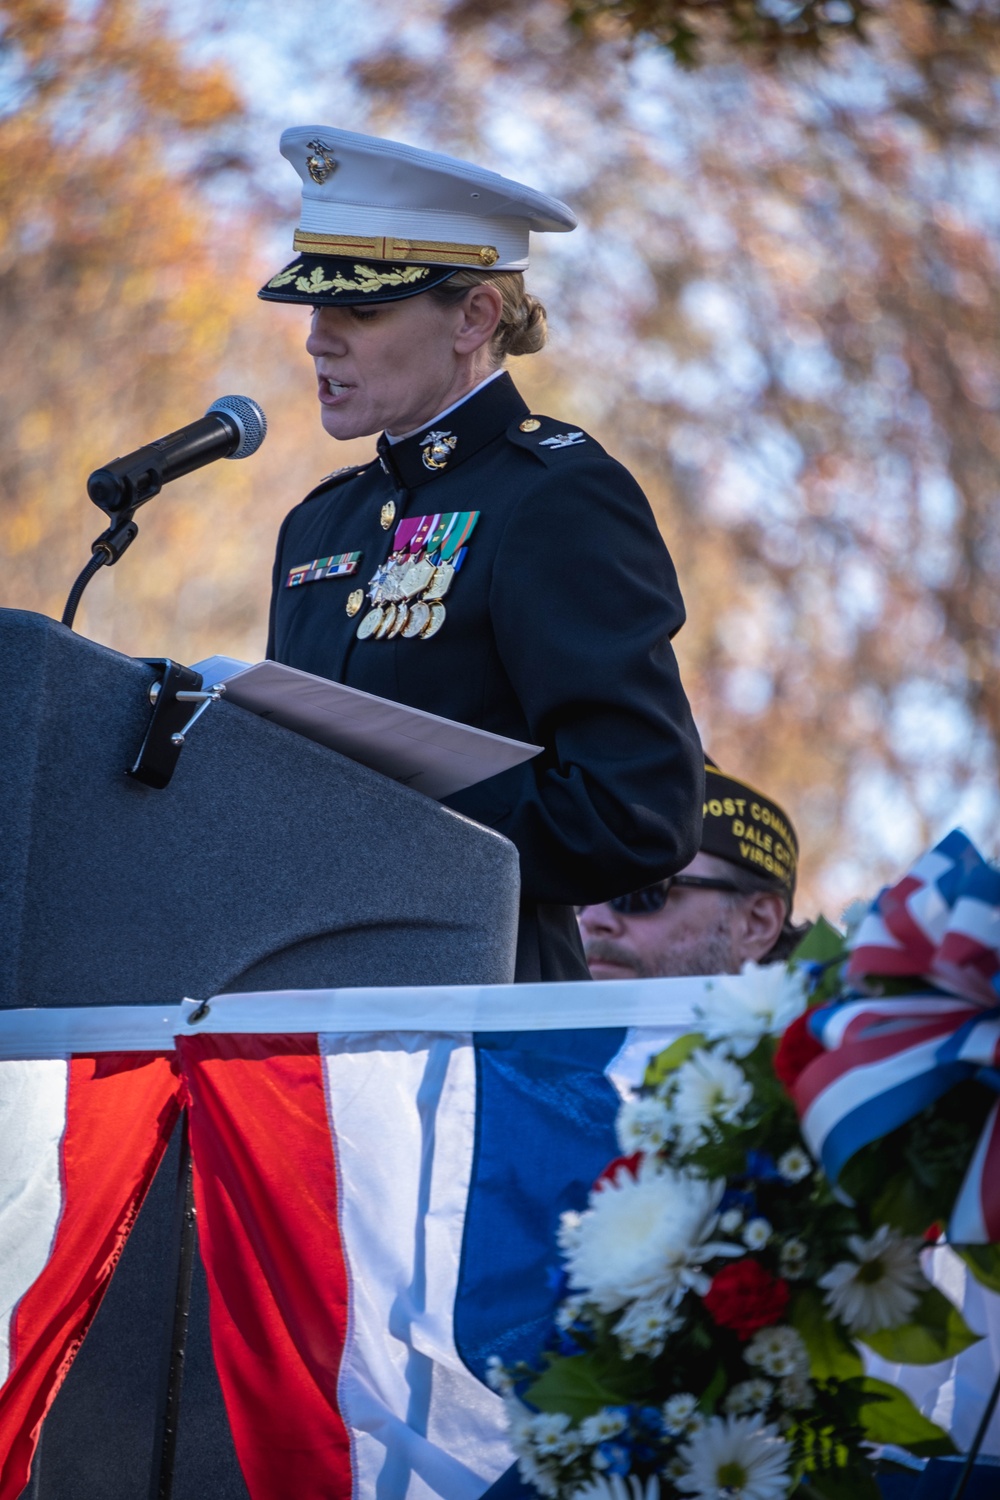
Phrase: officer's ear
(759, 919)
(481, 308)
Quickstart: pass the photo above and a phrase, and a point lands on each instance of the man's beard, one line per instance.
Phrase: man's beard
(714, 954)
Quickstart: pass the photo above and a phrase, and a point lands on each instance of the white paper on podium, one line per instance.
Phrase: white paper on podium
(433, 755)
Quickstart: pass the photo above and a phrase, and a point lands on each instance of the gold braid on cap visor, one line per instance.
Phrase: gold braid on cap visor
(369, 280)
(389, 247)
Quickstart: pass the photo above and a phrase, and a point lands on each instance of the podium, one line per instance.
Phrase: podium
(268, 862)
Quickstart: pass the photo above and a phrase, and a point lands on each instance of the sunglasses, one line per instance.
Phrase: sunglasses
(653, 898)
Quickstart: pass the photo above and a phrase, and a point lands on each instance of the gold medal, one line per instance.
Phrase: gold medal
(437, 613)
(355, 601)
(402, 611)
(418, 616)
(388, 620)
(388, 514)
(416, 577)
(370, 623)
(441, 582)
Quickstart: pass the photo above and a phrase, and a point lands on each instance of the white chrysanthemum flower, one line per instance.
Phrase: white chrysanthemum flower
(614, 1487)
(644, 1327)
(762, 1001)
(735, 1457)
(794, 1254)
(646, 1237)
(603, 1425)
(880, 1287)
(756, 1234)
(795, 1392)
(778, 1351)
(549, 1434)
(795, 1164)
(748, 1396)
(496, 1376)
(731, 1220)
(677, 1413)
(644, 1124)
(709, 1088)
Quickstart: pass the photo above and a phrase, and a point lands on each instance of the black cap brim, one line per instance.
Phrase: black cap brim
(334, 281)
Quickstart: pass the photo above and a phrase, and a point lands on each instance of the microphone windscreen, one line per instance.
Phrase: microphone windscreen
(248, 417)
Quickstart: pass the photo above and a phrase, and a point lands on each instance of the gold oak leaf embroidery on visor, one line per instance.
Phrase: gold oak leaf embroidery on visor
(371, 280)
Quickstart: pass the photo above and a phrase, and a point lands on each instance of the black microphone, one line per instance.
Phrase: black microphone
(233, 427)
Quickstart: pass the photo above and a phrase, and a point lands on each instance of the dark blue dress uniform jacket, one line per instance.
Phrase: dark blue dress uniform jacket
(558, 632)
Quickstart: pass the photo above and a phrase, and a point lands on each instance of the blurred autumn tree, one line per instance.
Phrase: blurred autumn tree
(759, 29)
(783, 311)
(126, 296)
(780, 309)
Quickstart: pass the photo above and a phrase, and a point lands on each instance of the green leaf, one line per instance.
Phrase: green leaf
(889, 1416)
(936, 1331)
(831, 1353)
(854, 1483)
(670, 1059)
(821, 943)
(902, 1203)
(581, 1384)
(716, 1387)
(984, 1263)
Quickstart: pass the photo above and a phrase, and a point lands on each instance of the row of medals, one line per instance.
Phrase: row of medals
(397, 609)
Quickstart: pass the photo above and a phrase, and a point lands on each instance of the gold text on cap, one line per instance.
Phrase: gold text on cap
(387, 514)
(322, 164)
(530, 424)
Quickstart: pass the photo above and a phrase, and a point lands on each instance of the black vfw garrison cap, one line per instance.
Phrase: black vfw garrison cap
(748, 829)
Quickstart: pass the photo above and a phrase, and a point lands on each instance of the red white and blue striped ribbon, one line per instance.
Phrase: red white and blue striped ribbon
(888, 1059)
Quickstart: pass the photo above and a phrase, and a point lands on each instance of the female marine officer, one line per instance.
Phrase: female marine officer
(488, 564)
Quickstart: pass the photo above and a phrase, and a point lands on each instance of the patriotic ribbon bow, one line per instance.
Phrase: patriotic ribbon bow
(889, 1059)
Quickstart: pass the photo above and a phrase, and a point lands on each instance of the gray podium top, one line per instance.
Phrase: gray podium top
(269, 862)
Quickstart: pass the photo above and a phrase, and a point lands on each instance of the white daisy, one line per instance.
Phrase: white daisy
(880, 1287)
(677, 1413)
(795, 1391)
(795, 1164)
(614, 1487)
(756, 1234)
(644, 1327)
(604, 1424)
(567, 1313)
(709, 1088)
(778, 1351)
(731, 1220)
(749, 1395)
(794, 1254)
(644, 1124)
(735, 1457)
(548, 1431)
(762, 1001)
(647, 1238)
(496, 1376)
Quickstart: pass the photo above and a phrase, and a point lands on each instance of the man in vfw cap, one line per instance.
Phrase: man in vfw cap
(732, 904)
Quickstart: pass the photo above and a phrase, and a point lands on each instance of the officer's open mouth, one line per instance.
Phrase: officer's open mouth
(329, 388)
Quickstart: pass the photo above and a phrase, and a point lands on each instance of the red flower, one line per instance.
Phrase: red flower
(628, 1164)
(744, 1297)
(796, 1050)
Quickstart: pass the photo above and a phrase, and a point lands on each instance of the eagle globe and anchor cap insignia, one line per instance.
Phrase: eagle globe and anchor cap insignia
(437, 449)
(322, 163)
